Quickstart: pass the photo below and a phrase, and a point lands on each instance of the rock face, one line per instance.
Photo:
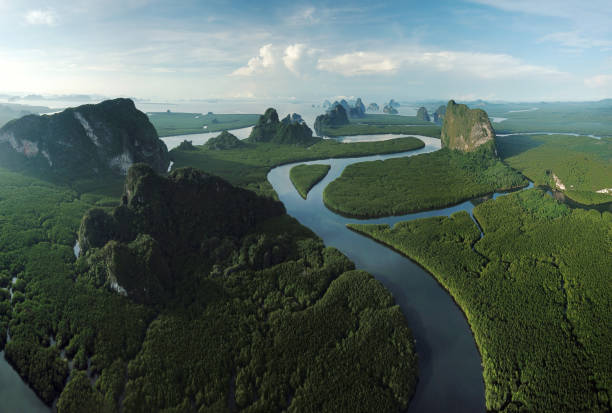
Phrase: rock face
(135, 249)
(89, 139)
(467, 129)
(292, 130)
(438, 115)
(373, 107)
(223, 142)
(393, 104)
(335, 117)
(357, 110)
(423, 115)
(390, 110)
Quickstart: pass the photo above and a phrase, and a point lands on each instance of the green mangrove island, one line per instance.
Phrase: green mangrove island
(181, 123)
(231, 305)
(535, 290)
(304, 177)
(249, 165)
(579, 166)
(465, 168)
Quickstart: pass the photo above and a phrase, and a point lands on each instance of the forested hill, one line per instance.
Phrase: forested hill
(467, 129)
(140, 248)
(87, 140)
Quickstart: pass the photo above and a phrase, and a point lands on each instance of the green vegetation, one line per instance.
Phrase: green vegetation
(564, 117)
(171, 124)
(422, 114)
(535, 290)
(262, 318)
(363, 129)
(222, 142)
(304, 177)
(582, 165)
(256, 312)
(86, 141)
(334, 117)
(467, 129)
(427, 181)
(382, 119)
(291, 130)
(248, 167)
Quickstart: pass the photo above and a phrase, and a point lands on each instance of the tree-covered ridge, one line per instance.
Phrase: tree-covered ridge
(139, 248)
(335, 116)
(248, 166)
(224, 141)
(422, 114)
(535, 290)
(427, 181)
(270, 129)
(181, 123)
(304, 177)
(466, 129)
(266, 321)
(578, 165)
(86, 140)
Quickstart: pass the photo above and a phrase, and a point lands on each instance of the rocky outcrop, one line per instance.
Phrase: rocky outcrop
(357, 110)
(223, 142)
(373, 107)
(137, 248)
(438, 115)
(423, 115)
(89, 139)
(292, 130)
(467, 129)
(393, 104)
(390, 110)
(335, 117)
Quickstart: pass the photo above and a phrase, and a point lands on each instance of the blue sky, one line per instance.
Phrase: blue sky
(491, 49)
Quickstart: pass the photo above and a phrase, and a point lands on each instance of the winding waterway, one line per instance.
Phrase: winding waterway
(450, 368)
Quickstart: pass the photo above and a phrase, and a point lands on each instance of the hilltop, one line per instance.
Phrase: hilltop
(87, 140)
(292, 130)
(466, 129)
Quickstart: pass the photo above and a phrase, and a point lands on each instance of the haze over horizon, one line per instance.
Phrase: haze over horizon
(154, 49)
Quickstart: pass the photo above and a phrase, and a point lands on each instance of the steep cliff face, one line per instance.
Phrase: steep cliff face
(423, 115)
(292, 130)
(337, 116)
(467, 129)
(89, 139)
(137, 249)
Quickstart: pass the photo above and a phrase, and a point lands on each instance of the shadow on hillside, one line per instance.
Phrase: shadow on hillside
(508, 146)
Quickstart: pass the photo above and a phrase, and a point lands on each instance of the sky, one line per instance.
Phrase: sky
(513, 50)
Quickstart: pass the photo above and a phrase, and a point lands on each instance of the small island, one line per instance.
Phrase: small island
(304, 177)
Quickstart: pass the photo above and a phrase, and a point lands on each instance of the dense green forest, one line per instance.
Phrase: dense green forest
(263, 321)
(427, 181)
(181, 123)
(535, 290)
(304, 177)
(248, 166)
(375, 129)
(582, 165)
(567, 117)
(384, 119)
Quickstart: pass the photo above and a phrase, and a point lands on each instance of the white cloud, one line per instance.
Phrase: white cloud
(306, 16)
(40, 17)
(577, 40)
(265, 60)
(300, 59)
(599, 81)
(358, 63)
(480, 65)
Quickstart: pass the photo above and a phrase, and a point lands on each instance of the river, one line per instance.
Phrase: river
(450, 370)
